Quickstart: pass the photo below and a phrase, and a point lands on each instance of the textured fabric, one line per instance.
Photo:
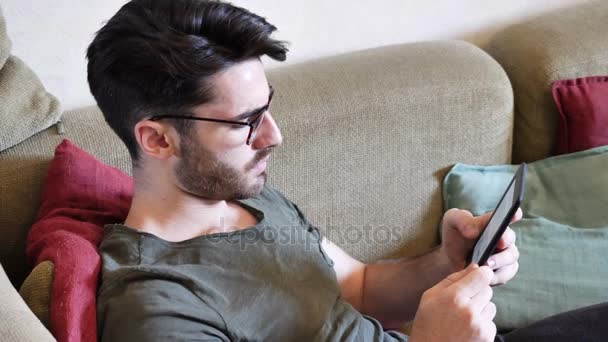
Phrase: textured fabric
(80, 196)
(369, 136)
(583, 108)
(562, 238)
(17, 322)
(36, 291)
(22, 171)
(268, 282)
(565, 44)
(25, 106)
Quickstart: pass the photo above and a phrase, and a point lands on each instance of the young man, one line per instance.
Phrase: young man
(181, 83)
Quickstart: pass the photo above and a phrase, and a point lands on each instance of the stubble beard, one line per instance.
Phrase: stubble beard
(202, 174)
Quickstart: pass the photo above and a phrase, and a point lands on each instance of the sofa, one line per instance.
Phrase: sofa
(368, 138)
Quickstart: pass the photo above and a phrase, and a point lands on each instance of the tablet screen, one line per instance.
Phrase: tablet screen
(494, 225)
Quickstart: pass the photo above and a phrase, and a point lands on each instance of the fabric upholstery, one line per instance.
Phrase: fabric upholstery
(25, 106)
(583, 109)
(569, 43)
(562, 237)
(17, 322)
(80, 196)
(36, 291)
(24, 167)
(368, 137)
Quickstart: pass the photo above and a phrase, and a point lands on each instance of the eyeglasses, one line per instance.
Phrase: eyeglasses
(258, 118)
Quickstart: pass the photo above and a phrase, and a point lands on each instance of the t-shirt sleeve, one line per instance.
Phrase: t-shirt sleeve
(157, 310)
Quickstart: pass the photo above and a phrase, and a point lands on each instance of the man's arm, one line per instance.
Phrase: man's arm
(390, 290)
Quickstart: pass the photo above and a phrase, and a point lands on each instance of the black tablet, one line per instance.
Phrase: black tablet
(502, 216)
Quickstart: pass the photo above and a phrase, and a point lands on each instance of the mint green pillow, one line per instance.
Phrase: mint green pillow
(562, 238)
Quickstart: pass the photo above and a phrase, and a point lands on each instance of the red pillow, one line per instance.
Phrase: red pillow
(80, 196)
(583, 109)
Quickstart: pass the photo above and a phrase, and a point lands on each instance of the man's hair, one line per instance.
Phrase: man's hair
(157, 56)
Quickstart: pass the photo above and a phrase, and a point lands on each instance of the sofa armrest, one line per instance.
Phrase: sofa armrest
(17, 322)
(563, 44)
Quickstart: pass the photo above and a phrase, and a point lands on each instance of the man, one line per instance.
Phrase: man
(181, 83)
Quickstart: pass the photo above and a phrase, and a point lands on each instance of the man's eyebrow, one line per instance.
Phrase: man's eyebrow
(248, 113)
(251, 112)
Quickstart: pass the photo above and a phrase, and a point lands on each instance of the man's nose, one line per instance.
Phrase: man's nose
(268, 134)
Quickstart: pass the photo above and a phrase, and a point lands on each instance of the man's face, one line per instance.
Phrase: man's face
(215, 161)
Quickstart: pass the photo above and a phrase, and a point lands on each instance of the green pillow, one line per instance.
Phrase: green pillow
(562, 238)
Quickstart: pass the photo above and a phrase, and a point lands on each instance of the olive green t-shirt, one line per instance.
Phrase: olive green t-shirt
(269, 282)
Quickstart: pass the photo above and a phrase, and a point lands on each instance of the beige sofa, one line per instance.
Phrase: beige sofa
(369, 137)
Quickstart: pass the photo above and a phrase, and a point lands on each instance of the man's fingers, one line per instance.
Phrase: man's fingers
(518, 215)
(461, 220)
(481, 299)
(507, 239)
(489, 311)
(490, 332)
(478, 224)
(455, 277)
(473, 282)
(505, 274)
(504, 258)
(468, 225)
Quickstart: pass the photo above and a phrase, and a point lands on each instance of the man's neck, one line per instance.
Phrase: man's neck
(174, 215)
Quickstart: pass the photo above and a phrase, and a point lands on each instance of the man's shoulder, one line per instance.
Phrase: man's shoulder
(118, 249)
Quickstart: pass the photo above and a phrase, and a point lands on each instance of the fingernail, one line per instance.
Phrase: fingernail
(491, 262)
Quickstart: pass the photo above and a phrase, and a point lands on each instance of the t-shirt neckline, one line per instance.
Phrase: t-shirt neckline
(258, 214)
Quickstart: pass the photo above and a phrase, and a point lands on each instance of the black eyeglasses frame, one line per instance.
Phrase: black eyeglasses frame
(253, 124)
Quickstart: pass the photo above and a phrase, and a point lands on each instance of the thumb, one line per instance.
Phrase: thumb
(464, 222)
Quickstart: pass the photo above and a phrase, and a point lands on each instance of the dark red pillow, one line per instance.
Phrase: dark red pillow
(80, 196)
(583, 109)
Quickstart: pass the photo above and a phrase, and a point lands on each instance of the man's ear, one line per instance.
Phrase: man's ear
(156, 139)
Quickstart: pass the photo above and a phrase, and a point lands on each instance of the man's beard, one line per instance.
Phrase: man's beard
(202, 174)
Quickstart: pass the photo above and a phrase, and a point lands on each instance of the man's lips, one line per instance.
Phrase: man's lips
(261, 165)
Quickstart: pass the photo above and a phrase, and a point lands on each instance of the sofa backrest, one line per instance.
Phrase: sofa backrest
(565, 44)
(368, 138)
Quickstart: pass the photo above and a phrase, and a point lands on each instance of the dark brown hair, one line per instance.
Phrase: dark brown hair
(156, 56)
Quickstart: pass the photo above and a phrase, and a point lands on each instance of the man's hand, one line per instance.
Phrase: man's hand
(459, 233)
(457, 309)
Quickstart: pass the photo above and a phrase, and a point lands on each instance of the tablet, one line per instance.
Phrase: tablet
(501, 217)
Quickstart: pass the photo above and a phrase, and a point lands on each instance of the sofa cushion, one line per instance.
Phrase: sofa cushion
(25, 106)
(562, 238)
(22, 171)
(564, 44)
(80, 196)
(17, 322)
(583, 108)
(36, 291)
